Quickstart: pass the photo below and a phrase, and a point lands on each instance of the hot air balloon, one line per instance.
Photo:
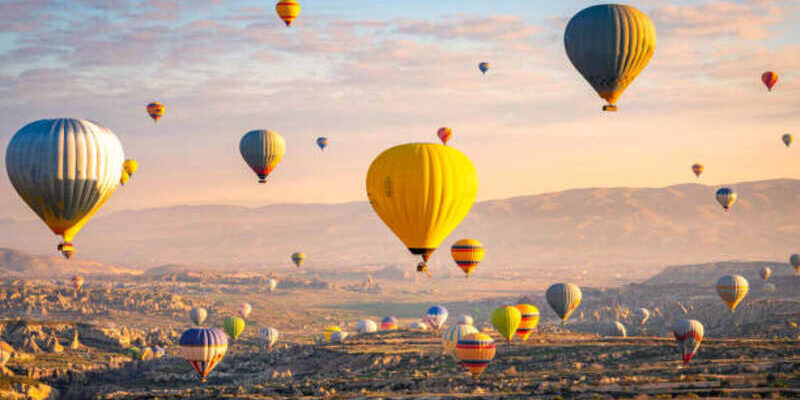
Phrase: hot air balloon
(642, 315)
(245, 309)
(436, 316)
(204, 348)
(452, 334)
(444, 134)
(418, 326)
(732, 289)
(329, 331)
(610, 44)
(689, 334)
(270, 336)
(124, 178)
(765, 273)
(506, 320)
(787, 139)
(198, 315)
(339, 336)
(529, 320)
(466, 320)
(794, 260)
(697, 169)
(726, 197)
(475, 351)
(484, 67)
(287, 10)
(298, 258)
(262, 150)
(272, 284)
(615, 329)
(65, 170)
(77, 282)
(155, 110)
(322, 142)
(769, 78)
(129, 167)
(467, 253)
(564, 298)
(366, 326)
(389, 324)
(422, 191)
(234, 326)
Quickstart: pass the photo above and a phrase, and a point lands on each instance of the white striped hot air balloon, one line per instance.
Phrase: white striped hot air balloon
(732, 289)
(452, 334)
(262, 150)
(65, 170)
(270, 336)
(689, 335)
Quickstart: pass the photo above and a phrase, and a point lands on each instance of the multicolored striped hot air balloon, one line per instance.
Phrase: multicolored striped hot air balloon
(155, 110)
(689, 335)
(270, 336)
(452, 334)
(245, 309)
(726, 197)
(697, 169)
(564, 298)
(732, 289)
(262, 150)
(389, 323)
(234, 326)
(329, 331)
(203, 348)
(475, 351)
(610, 44)
(506, 320)
(65, 170)
(467, 253)
(765, 273)
(287, 10)
(436, 316)
(198, 315)
(444, 134)
(530, 318)
(298, 259)
(769, 79)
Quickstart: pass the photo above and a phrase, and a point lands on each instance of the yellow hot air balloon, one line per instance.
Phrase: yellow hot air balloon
(262, 150)
(475, 351)
(732, 289)
(287, 10)
(329, 331)
(467, 253)
(65, 170)
(234, 326)
(124, 178)
(422, 191)
(506, 320)
(155, 110)
(129, 167)
(610, 44)
(298, 259)
(530, 318)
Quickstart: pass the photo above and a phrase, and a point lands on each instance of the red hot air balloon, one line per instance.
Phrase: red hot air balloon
(769, 78)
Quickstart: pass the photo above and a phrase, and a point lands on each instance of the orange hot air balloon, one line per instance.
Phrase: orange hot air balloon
(467, 253)
(444, 134)
(475, 351)
(697, 169)
(156, 110)
(769, 78)
(288, 10)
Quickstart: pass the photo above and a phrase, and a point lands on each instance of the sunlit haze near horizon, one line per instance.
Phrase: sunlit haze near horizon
(370, 75)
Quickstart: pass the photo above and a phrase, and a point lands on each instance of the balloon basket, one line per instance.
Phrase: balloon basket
(609, 107)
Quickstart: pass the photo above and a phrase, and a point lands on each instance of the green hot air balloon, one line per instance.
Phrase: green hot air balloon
(506, 320)
(234, 326)
(610, 44)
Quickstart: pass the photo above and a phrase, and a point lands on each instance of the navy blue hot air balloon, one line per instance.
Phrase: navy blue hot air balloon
(484, 66)
(204, 348)
(322, 142)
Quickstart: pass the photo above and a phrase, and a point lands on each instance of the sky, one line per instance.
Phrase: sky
(372, 74)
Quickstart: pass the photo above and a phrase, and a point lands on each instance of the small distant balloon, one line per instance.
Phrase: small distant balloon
(794, 260)
(322, 142)
(787, 139)
(642, 315)
(436, 316)
(203, 348)
(765, 273)
(484, 67)
(262, 150)
(234, 326)
(689, 335)
(444, 134)
(198, 315)
(530, 318)
(245, 309)
(287, 10)
(697, 169)
(770, 78)
(726, 197)
(298, 259)
(155, 110)
(77, 282)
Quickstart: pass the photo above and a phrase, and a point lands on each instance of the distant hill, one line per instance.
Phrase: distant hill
(18, 264)
(592, 234)
(710, 272)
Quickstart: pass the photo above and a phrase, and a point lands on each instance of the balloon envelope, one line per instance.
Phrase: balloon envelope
(484, 67)
(564, 298)
(155, 110)
(697, 169)
(769, 79)
(787, 139)
(436, 316)
(529, 319)
(234, 326)
(245, 309)
(689, 335)
(203, 348)
(262, 150)
(198, 315)
(475, 351)
(444, 134)
(467, 253)
(287, 10)
(298, 259)
(610, 44)
(366, 326)
(322, 142)
(726, 197)
(270, 336)
(452, 334)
